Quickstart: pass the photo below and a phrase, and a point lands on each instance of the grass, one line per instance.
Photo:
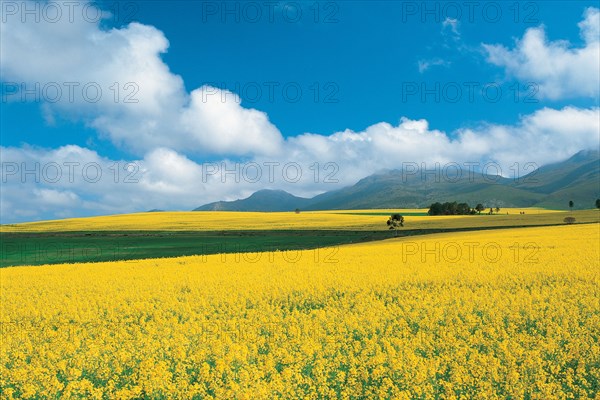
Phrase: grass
(151, 235)
(74, 247)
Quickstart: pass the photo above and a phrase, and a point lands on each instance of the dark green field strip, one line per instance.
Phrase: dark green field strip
(73, 247)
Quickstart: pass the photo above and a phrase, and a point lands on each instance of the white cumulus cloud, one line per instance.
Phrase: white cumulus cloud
(560, 69)
(118, 83)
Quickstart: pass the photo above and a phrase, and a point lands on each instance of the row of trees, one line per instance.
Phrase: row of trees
(454, 208)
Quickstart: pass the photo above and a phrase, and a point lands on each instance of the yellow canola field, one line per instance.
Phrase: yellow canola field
(489, 315)
(338, 220)
(209, 220)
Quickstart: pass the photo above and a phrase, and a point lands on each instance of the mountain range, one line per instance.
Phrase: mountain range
(552, 186)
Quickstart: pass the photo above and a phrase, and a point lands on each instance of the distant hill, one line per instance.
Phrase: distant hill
(577, 179)
(551, 186)
(263, 200)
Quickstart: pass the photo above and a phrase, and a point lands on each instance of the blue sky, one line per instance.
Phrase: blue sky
(368, 53)
(426, 79)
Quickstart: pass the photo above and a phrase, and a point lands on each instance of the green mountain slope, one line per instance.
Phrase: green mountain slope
(263, 200)
(551, 186)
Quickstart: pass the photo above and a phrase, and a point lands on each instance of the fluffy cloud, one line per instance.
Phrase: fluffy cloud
(560, 70)
(75, 181)
(590, 25)
(309, 164)
(548, 135)
(116, 80)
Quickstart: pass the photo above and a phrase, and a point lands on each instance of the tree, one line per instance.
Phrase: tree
(435, 209)
(479, 207)
(491, 210)
(452, 208)
(447, 208)
(395, 222)
(497, 210)
(463, 209)
(571, 204)
(598, 204)
(297, 211)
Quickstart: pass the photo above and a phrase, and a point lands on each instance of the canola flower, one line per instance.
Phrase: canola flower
(209, 220)
(494, 314)
(336, 220)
